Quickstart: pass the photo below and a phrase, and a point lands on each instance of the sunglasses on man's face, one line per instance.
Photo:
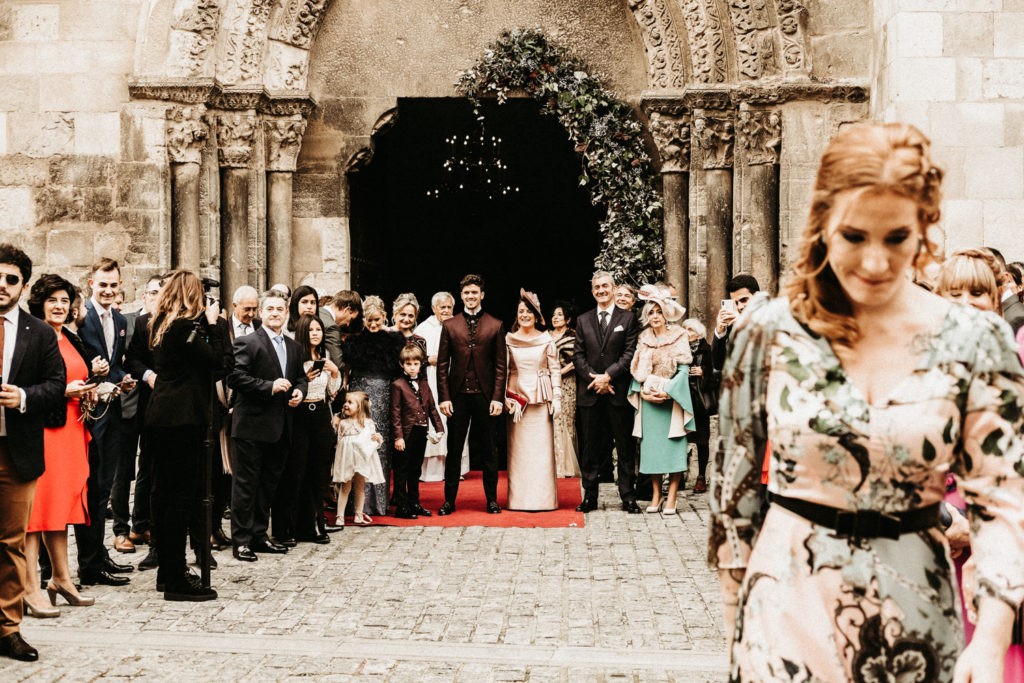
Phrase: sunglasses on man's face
(11, 279)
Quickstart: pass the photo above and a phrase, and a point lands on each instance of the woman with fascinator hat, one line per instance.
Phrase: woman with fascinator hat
(660, 392)
(533, 399)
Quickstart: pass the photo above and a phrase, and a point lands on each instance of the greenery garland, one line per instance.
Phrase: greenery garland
(607, 134)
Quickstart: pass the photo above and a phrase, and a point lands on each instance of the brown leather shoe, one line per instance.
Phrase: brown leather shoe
(139, 539)
(123, 545)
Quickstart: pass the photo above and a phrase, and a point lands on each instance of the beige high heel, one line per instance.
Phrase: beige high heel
(74, 600)
(40, 613)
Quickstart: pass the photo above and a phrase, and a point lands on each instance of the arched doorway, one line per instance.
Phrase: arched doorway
(543, 237)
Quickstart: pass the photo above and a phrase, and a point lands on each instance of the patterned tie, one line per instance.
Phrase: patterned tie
(282, 356)
(3, 333)
(604, 323)
(108, 333)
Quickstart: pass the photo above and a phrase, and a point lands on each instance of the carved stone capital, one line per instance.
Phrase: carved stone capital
(758, 137)
(712, 138)
(708, 98)
(284, 136)
(186, 133)
(237, 98)
(236, 132)
(299, 21)
(672, 137)
(287, 103)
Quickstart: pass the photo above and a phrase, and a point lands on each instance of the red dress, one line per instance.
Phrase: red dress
(60, 491)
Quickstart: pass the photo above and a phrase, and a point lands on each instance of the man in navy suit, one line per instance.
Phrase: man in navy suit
(32, 384)
(605, 344)
(268, 382)
(104, 333)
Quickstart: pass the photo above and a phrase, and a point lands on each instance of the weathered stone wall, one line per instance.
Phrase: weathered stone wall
(955, 69)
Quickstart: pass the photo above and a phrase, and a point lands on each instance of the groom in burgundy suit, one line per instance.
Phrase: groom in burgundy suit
(471, 387)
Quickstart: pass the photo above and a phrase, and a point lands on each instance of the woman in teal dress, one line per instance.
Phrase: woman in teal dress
(661, 394)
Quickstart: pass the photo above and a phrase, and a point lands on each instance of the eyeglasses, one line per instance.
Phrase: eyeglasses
(11, 279)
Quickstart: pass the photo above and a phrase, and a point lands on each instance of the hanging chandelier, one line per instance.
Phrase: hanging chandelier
(474, 167)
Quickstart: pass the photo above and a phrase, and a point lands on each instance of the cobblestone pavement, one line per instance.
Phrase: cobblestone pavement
(626, 598)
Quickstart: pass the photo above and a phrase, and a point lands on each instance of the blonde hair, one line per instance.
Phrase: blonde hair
(972, 270)
(374, 303)
(401, 302)
(181, 297)
(870, 158)
(363, 402)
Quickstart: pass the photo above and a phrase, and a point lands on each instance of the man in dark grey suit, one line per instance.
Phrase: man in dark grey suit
(605, 343)
(32, 380)
(268, 382)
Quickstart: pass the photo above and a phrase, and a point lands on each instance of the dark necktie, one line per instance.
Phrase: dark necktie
(3, 322)
(604, 322)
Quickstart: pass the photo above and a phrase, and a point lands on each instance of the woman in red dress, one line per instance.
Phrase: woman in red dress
(60, 491)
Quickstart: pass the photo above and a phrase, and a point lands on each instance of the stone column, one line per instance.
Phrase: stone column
(672, 136)
(711, 173)
(186, 135)
(758, 139)
(236, 131)
(284, 135)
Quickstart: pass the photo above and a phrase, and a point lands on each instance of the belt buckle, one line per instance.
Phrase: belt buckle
(867, 524)
(312, 407)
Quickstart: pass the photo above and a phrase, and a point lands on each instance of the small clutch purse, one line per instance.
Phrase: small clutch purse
(654, 383)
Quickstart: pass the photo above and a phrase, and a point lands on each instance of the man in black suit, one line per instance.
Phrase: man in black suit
(268, 382)
(1010, 304)
(32, 383)
(740, 290)
(104, 333)
(605, 344)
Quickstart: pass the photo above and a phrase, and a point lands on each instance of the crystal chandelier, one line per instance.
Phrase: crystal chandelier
(474, 166)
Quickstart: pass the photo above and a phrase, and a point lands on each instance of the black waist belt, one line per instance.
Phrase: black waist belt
(862, 523)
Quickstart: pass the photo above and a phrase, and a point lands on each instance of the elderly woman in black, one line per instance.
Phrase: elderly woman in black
(188, 348)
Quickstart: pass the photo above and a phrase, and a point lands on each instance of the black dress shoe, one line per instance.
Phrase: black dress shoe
(420, 510)
(331, 528)
(213, 561)
(244, 553)
(268, 546)
(102, 578)
(446, 509)
(150, 561)
(588, 505)
(15, 647)
(288, 542)
(406, 513)
(493, 508)
(188, 589)
(631, 507)
(116, 567)
(321, 539)
(219, 540)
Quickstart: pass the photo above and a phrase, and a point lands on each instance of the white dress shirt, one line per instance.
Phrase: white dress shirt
(11, 319)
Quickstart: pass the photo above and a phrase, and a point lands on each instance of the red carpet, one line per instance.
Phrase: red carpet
(469, 508)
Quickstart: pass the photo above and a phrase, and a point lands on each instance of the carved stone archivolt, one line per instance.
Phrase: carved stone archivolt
(299, 21)
(236, 132)
(246, 36)
(661, 43)
(187, 131)
(755, 41)
(712, 138)
(672, 137)
(197, 32)
(758, 137)
(284, 136)
(792, 21)
(707, 42)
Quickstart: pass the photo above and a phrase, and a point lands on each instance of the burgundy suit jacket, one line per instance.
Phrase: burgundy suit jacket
(488, 357)
(408, 409)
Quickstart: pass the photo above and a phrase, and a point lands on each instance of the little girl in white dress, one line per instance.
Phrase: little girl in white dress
(356, 460)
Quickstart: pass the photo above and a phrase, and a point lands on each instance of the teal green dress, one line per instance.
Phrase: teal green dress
(659, 453)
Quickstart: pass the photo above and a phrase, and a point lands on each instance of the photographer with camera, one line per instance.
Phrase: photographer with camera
(188, 348)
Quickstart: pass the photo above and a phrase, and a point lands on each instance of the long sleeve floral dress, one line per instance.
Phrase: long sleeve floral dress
(817, 606)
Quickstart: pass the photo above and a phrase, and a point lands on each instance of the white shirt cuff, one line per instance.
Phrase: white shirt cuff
(21, 408)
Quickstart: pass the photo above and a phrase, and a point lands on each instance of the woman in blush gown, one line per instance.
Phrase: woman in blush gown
(532, 397)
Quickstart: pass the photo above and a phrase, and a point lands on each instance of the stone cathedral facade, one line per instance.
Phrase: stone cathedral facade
(221, 135)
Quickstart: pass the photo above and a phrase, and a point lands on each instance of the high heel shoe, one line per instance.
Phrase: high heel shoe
(362, 519)
(44, 613)
(74, 600)
(651, 509)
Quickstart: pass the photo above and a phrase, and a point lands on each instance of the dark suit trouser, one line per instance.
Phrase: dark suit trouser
(257, 467)
(468, 408)
(406, 467)
(595, 422)
(306, 474)
(15, 508)
(104, 452)
(124, 473)
(178, 455)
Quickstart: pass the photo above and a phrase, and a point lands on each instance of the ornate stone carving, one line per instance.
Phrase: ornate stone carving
(298, 22)
(360, 160)
(186, 133)
(661, 43)
(755, 42)
(706, 38)
(237, 98)
(712, 139)
(792, 20)
(246, 38)
(672, 136)
(286, 67)
(758, 137)
(806, 91)
(236, 132)
(284, 136)
(184, 90)
(287, 103)
(201, 20)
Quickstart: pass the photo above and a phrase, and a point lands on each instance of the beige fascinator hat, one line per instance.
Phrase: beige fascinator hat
(670, 308)
(533, 303)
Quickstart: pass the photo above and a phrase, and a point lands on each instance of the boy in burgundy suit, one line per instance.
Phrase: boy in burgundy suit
(412, 405)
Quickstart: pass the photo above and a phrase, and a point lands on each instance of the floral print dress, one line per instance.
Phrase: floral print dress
(817, 606)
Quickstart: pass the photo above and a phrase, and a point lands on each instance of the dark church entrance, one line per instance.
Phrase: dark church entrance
(543, 237)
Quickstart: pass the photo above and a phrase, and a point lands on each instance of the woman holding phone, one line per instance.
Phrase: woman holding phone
(297, 514)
